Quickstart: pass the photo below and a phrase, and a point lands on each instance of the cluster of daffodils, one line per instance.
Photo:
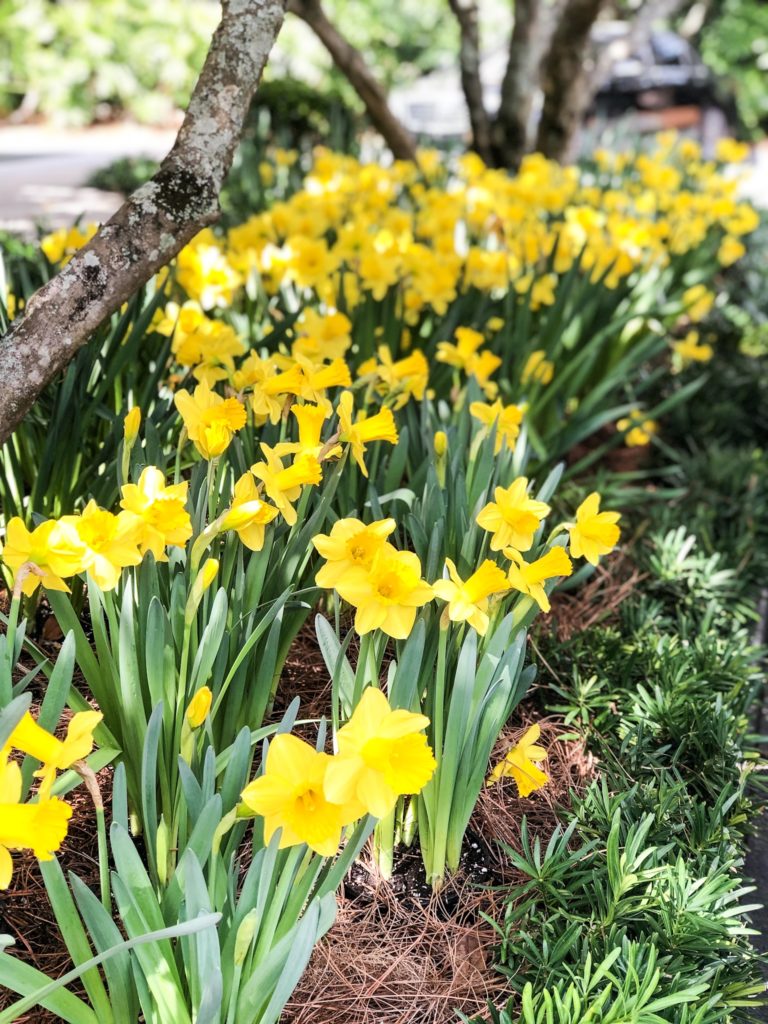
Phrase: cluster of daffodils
(435, 231)
(39, 825)
(153, 513)
(310, 796)
(386, 587)
(101, 543)
(428, 233)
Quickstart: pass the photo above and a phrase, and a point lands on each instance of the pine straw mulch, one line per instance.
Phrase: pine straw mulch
(394, 955)
(392, 958)
(596, 602)
(25, 912)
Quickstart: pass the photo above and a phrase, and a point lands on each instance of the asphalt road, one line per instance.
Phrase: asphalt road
(43, 171)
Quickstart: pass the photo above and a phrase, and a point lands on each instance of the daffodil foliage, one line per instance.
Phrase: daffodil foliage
(356, 402)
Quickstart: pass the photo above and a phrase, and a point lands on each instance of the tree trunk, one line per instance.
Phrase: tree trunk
(352, 64)
(466, 14)
(563, 78)
(153, 224)
(510, 130)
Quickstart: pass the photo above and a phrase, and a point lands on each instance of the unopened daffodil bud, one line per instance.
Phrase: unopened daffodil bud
(440, 444)
(199, 706)
(244, 936)
(203, 580)
(131, 425)
(196, 714)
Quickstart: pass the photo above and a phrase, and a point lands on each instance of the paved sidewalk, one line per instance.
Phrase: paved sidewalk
(43, 171)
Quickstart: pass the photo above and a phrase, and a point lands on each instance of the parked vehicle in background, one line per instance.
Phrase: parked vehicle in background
(655, 82)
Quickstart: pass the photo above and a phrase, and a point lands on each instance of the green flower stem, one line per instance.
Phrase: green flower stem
(88, 776)
(203, 541)
(438, 711)
(277, 902)
(384, 844)
(6, 683)
(210, 481)
(179, 449)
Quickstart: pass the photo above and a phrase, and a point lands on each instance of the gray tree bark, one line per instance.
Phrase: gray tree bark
(466, 14)
(563, 78)
(153, 224)
(352, 64)
(510, 130)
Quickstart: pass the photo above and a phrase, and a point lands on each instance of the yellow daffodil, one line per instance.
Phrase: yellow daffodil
(538, 368)
(481, 366)
(398, 380)
(594, 533)
(521, 764)
(322, 336)
(507, 419)
(468, 599)
(205, 273)
(107, 543)
(160, 512)
(460, 354)
(55, 754)
(211, 420)
(283, 484)
(387, 594)
(729, 151)
(698, 301)
(61, 245)
(269, 389)
(290, 796)
(310, 419)
(55, 550)
(40, 827)
(731, 250)
(379, 427)
(203, 580)
(317, 378)
(529, 577)
(248, 514)
(639, 430)
(513, 518)
(382, 755)
(689, 350)
(350, 545)
(309, 261)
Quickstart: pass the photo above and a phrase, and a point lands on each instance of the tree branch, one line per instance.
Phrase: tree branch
(153, 224)
(510, 129)
(563, 78)
(352, 64)
(466, 14)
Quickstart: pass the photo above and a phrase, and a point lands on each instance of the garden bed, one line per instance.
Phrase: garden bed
(412, 581)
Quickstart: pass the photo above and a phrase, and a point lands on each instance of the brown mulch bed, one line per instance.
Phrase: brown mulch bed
(25, 912)
(395, 960)
(394, 955)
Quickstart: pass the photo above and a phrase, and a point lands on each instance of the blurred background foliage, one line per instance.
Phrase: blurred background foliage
(734, 43)
(82, 61)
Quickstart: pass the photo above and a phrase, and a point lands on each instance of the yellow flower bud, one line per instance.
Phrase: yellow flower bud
(441, 443)
(199, 707)
(131, 425)
(203, 580)
(208, 573)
